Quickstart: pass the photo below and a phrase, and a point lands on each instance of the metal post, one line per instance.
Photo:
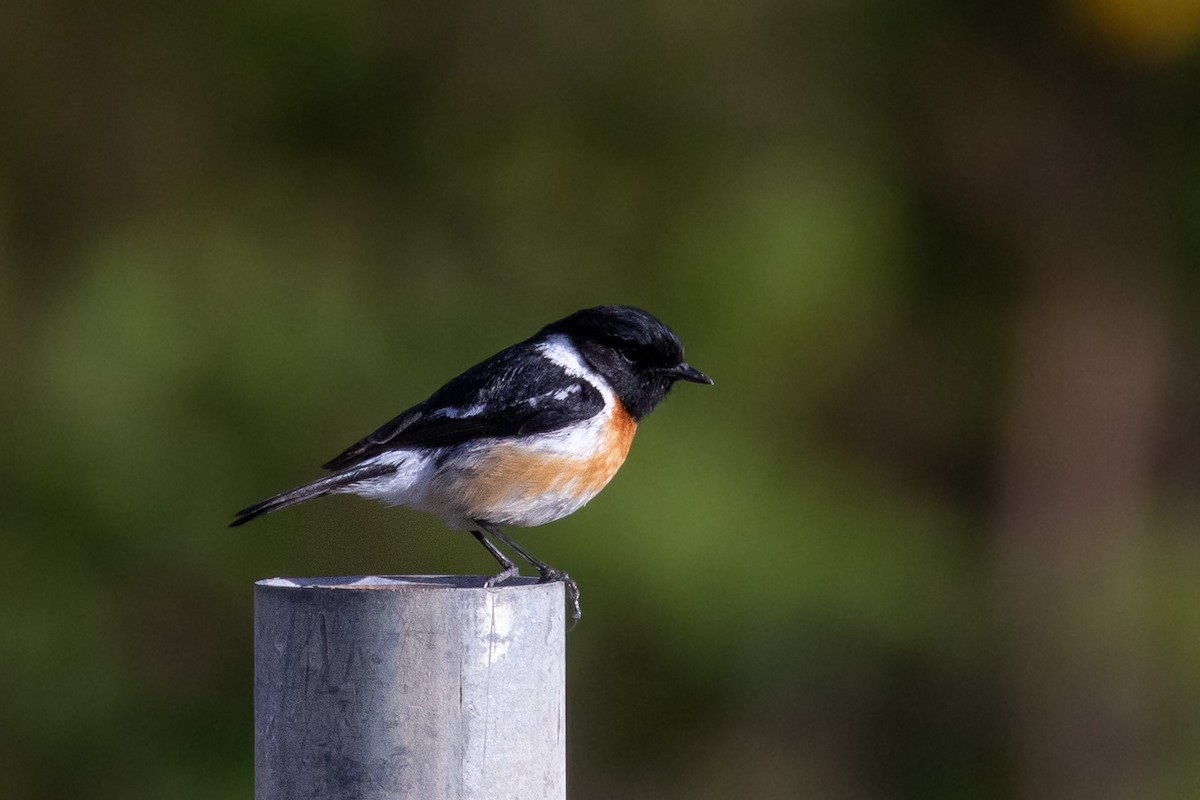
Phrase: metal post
(427, 687)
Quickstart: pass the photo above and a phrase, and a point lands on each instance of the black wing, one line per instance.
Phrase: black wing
(516, 392)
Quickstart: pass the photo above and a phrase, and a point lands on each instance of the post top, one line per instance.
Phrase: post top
(401, 582)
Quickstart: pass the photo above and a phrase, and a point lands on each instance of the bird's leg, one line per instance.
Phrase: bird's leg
(509, 568)
(546, 572)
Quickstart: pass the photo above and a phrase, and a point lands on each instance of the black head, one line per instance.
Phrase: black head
(638, 355)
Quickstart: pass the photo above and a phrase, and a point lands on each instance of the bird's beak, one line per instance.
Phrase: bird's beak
(687, 372)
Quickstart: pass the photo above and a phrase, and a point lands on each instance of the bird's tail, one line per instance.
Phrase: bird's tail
(318, 488)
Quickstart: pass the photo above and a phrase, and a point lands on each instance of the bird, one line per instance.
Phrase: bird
(523, 438)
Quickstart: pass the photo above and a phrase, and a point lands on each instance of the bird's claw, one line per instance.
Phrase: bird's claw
(501, 577)
(551, 574)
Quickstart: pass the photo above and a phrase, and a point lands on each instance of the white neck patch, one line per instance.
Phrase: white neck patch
(559, 349)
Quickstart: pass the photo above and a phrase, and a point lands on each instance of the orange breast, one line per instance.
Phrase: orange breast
(512, 475)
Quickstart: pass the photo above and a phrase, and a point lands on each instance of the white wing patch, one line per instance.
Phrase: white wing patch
(563, 394)
(559, 395)
(459, 412)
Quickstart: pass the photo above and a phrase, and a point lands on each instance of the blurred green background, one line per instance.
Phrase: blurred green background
(933, 534)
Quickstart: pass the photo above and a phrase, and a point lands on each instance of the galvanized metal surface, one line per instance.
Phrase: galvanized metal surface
(424, 687)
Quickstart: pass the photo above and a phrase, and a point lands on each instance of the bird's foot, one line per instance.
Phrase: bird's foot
(550, 574)
(500, 577)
